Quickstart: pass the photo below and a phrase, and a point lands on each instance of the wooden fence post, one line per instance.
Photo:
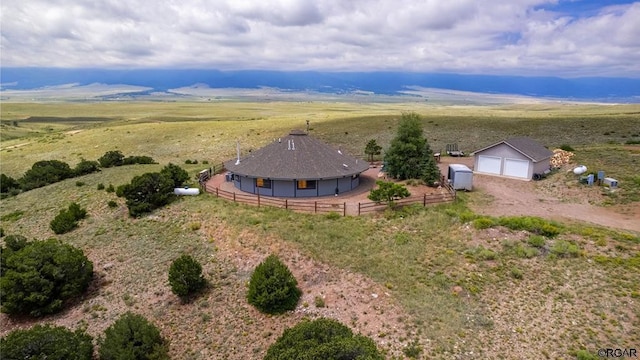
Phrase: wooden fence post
(286, 204)
(358, 209)
(315, 207)
(217, 195)
(344, 208)
(234, 197)
(424, 200)
(258, 199)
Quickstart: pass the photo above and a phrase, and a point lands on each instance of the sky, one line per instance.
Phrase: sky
(565, 38)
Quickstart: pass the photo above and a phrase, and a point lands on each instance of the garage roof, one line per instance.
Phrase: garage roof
(526, 146)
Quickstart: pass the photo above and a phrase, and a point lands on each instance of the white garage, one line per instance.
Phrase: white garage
(518, 158)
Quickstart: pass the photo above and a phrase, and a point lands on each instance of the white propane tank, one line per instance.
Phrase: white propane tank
(580, 170)
(186, 191)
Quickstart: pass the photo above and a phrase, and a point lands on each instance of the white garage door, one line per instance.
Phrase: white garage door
(489, 164)
(516, 168)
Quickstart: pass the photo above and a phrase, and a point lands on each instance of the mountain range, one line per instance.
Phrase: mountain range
(601, 89)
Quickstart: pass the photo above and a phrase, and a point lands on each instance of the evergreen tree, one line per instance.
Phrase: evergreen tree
(372, 149)
(273, 289)
(409, 155)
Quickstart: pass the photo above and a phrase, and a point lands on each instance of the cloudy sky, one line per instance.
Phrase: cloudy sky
(509, 37)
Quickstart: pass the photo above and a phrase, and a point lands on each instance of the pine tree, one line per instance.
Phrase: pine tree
(409, 155)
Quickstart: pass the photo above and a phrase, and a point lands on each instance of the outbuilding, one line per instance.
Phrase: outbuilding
(460, 177)
(518, 157)
(297, 165)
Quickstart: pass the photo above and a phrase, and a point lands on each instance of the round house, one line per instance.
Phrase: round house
(297, 165)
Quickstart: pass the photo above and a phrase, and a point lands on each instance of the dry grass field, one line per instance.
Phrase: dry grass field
(427, 281)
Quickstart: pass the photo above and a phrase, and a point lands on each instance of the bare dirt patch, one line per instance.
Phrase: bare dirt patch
(554, 198)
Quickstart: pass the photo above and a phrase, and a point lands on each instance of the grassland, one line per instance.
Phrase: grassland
(454, 290)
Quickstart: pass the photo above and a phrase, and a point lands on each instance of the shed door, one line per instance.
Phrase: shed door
(516, 168)
(489, 164)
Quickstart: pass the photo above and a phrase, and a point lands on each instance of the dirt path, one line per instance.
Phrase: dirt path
(510, 197)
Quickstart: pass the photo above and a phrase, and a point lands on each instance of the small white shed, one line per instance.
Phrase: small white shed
(460, 177)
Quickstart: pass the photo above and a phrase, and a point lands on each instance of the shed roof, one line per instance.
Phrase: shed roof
(524, 145)
(297, 156)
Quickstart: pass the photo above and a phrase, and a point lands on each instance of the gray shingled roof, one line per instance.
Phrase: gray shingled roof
(526, 146)
(297, 156)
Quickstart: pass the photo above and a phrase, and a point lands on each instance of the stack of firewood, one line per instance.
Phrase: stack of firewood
(560, 157)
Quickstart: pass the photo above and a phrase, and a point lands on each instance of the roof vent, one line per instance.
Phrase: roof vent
(345, 166)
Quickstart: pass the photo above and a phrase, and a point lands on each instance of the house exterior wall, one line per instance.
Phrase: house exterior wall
(504, 151)
(541, 166)
(283, 188)
(288, 188)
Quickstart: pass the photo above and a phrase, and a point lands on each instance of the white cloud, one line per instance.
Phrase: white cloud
(505, 37)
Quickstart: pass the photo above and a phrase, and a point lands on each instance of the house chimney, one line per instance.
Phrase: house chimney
(238, 151)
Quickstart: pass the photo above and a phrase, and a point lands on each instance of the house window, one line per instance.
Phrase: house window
(263, 183)
(306, 184)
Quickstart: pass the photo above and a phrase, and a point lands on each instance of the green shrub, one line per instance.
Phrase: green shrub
(567, 147)
(111, 158)
(333, 215)
(531, 224)
(484, 223)
(133, 337)
(188, 162)
(8, 183)
(536, 241)
(322, 339)
(466, 216)
(80, 183)
(387, 192)
(520, 250)
(46, 342)
(130, 160)
(44, 173)
(67, 219)
(586, 355)
(112, 204)
(85, 167)
(565, 248)
(273, 289)
(516, 273)
(481, 253)
(12, 216)
(185, 276)
(412, 350)
(177, 174)
(63, 222)
(205, 162)
(147, 192)
(110, 188)
(100, 186)
(38, 277)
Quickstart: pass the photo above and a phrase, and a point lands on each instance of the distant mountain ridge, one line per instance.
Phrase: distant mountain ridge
(384, 83)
